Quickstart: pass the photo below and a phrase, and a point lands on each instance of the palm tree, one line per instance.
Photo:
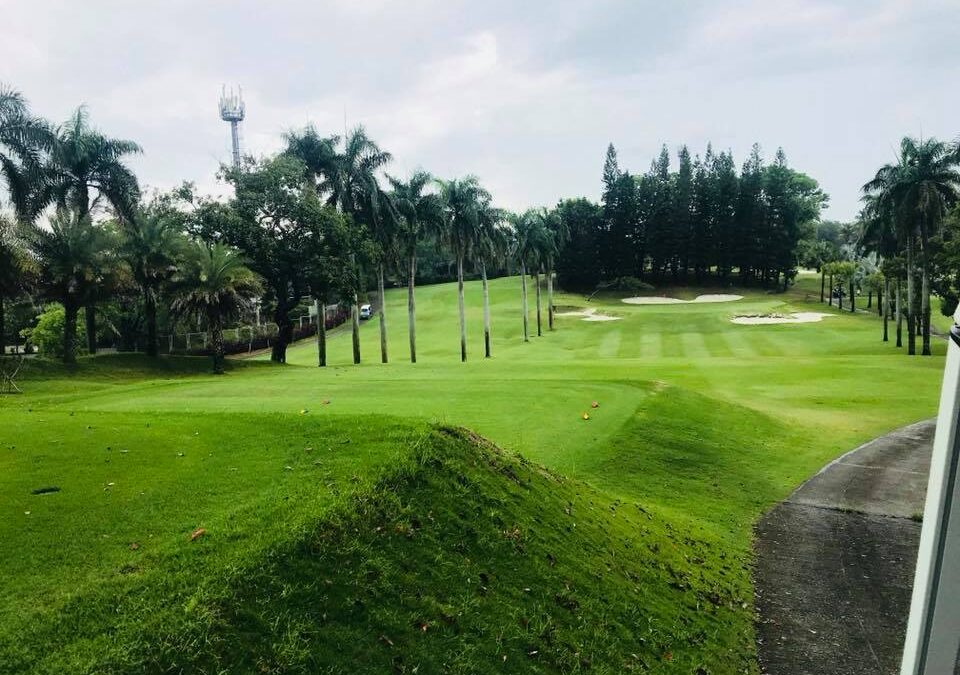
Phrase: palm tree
(385, 221)
(526, 237)
(214, 282)
(917, 191)
(318, 154)
(16, 267)
(85, 168)
(490, 245)
(462, 200)
(350, 182)
(554, 233)
(68, 256)
(420, 213)
(24, 141)
(150, 244)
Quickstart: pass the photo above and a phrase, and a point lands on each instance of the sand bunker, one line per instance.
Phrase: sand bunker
(662, 300)
(589, 315)
(765, 319)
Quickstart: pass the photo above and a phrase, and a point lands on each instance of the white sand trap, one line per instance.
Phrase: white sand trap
(589, 315)
(766, 319)
(663, 300)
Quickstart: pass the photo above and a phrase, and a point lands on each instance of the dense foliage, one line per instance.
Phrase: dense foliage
(702, 220)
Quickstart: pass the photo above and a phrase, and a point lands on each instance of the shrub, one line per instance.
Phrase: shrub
(948, 304)
(47, 335)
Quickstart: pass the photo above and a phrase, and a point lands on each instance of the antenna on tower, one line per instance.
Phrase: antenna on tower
(233, 110)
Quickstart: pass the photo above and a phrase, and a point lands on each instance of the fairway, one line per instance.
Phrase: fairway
(701, 422)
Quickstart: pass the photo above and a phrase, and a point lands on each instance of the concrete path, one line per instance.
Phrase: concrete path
(835, 561)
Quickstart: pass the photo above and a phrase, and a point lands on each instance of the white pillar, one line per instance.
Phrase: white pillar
(933, 629)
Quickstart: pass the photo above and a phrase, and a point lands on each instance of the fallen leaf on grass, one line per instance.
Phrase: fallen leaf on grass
(197, 533)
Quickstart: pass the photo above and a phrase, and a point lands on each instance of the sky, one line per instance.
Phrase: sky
(525, 95)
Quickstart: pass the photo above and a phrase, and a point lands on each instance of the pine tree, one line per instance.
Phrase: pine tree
(681, 220)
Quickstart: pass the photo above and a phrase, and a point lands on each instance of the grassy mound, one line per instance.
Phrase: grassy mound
(454, 558)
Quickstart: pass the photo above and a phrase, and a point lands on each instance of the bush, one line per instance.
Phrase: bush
(629, 284)
(948, 304)
(47, 335)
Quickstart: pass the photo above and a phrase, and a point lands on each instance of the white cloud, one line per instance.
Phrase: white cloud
(525, 95)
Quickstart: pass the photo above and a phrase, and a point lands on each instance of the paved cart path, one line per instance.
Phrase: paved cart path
(835, 561)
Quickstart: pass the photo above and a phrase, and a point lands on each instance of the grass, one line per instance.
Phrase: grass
(335, 533)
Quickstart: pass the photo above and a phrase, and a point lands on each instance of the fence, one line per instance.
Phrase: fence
(248, 338)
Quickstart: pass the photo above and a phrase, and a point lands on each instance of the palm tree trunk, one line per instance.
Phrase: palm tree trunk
(383, 316)
(831, 290)
(885, 311)
(550, 297)
(853, 296)
(321, 331)
(355, 319)
(536, 281)
(899, 314)
(70, 311)
(881, 294)
(869, 298)
(150, 310)
(3, 328)
(412, 306)
(91, 318)
(823, 279)
(523, 296)
(840, 296)
(925, 303)
(463, 318)
(217, 330)
(486, 310)
(911, 297)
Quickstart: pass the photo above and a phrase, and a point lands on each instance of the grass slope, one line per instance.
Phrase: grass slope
(701, 422)
(454, 557)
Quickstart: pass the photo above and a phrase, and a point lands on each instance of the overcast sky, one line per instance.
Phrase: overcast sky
(526, 95)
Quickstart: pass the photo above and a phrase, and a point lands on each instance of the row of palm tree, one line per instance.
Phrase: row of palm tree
(904, 207)
(459, 213)
(84, 233)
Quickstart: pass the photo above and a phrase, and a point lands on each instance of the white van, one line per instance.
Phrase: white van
(366, 311)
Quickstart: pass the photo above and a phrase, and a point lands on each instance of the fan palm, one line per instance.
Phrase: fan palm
(420, 212)
(462, 201)
(917, 191)
(69, 256)
(214, 282)
(150, 245)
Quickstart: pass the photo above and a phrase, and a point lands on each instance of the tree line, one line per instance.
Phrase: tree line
(703, 221)
(320, 220)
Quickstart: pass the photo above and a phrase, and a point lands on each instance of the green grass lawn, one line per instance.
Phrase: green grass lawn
(341, 519)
